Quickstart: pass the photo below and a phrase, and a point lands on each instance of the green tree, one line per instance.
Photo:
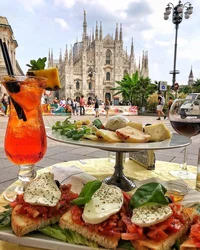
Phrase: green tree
(196, 86)
(146, 88)
(135, 89)
(185, 89)
(128, 87)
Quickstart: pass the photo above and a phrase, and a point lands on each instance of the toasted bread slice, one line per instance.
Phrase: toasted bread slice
(22, 224)
(170, 241)
(188, 245)
(105, 241)
(107, 135)
(129, 134)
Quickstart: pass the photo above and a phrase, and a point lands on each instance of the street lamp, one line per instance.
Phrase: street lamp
(177, 16)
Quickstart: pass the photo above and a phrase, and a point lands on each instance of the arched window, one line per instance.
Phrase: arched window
(108, 57)
(77, 85)
(90, 86)
(107, 76)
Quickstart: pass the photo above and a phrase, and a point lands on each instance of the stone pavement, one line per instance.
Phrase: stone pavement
(60, 152)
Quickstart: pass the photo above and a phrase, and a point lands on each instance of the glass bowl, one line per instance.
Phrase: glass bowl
(176, 189)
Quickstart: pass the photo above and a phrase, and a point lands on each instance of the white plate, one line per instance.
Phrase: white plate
(39, 240)
(176, 141)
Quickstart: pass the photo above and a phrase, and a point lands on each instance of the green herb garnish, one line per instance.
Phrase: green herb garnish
(97, 123)
(149, 194)
(88, 190)
(37, 65)
(5, 216)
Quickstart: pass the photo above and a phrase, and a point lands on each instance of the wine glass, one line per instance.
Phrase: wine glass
(184, 117)
(25, 139)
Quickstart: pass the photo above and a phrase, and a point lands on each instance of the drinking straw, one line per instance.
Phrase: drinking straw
(14, 88)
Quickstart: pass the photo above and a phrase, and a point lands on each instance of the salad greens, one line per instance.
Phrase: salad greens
(88, 190)
(149, 194)
(67, 235)
(5, 216)
(73, 129)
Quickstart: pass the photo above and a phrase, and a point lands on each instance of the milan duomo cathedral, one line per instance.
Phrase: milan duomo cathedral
(92, 67)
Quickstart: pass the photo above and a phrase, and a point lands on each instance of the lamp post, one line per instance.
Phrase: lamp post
(177, 17)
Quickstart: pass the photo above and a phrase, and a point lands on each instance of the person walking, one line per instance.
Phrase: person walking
(96, 106)
(74, 107)
(4, 101)
(82, 105)
(161, 103)
(170, 101)
(107, 106)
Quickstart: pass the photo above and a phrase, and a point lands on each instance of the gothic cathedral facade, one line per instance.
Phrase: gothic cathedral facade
(92, 67)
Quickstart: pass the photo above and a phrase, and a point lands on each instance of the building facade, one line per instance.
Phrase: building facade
(7, 36)
(92, 66)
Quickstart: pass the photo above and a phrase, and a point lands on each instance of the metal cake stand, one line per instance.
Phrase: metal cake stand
(118, 178)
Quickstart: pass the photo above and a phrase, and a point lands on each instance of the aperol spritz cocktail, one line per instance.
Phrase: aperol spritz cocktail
(25, 139)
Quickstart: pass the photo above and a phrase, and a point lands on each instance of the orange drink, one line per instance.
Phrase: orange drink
(25, 139)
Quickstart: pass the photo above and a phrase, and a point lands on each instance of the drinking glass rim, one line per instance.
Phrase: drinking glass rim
(22, 77)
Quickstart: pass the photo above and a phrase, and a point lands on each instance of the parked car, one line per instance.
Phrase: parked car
(190, 108)
(193, 96)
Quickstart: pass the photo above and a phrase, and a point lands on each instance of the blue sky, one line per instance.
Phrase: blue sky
(42, 24)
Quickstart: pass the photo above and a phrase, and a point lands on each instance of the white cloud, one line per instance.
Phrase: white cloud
(31, 4)
(67, 3)
(61, 22)
(162, 43)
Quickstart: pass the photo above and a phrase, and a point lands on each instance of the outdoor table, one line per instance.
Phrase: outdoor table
(101, 168)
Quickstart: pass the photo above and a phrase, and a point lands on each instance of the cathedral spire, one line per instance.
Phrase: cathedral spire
(66, 54)
(132, 50)
(191, 78)
(96, 34)
(120, 34)
(70, 55)
(139, 65)
(60, 58)
(191, 73)
(84, 26)
(146, 60)
(92, 34)
(51, 57)
(100, 35)
(116, 32)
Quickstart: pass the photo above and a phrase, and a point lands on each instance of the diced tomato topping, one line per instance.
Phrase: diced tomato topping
(195, 232)
(157, 235)
(130, 236)
(34, 211)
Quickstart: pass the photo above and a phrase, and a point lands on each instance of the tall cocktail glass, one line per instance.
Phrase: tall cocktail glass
(25, 138)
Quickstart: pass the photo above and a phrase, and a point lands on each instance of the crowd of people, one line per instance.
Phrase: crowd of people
(77, 106)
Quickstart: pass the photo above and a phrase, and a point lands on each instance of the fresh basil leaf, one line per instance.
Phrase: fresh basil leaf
(97, 123)
(88, 190)
(149, 194)
(125, 245)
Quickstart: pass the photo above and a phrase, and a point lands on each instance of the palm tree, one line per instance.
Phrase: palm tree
(146, 88)
(128, 87)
